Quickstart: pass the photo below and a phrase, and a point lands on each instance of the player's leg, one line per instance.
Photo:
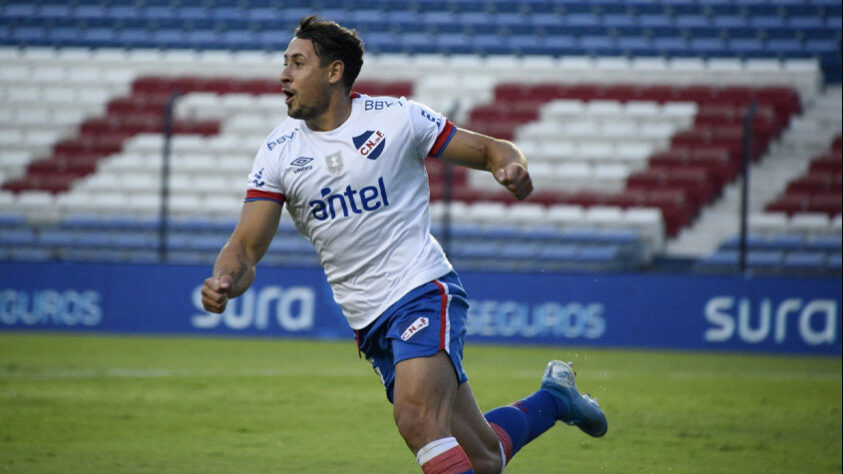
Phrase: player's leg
(424, 392)
(423, 396)
(416, 349)
(517, 424)
(474, 433)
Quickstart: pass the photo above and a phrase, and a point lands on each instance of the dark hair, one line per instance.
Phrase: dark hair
(333, 42)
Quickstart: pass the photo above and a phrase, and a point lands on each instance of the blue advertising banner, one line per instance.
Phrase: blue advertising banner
(760, 314)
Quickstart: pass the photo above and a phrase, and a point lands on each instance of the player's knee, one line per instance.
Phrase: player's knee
(418, 424)
(486, 461)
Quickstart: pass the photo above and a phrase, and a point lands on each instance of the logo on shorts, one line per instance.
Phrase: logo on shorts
(417, 326)
(370, 143)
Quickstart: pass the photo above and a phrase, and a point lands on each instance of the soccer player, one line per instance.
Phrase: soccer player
(350, 169)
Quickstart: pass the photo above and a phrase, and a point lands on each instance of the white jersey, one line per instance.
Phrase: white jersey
(360, 194)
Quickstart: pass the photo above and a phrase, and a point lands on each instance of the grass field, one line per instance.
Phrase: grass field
(131, 404)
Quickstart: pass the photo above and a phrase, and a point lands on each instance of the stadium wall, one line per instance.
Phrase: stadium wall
(665, 311)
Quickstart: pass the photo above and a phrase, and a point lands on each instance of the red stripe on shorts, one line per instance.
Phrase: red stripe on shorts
(443, 315)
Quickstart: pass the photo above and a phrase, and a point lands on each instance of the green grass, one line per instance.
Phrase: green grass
(130, 404)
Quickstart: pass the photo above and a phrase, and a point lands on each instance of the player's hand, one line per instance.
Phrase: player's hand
(516, 179)
(215, 293)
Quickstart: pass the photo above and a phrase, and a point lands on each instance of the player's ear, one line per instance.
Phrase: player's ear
(335, 71)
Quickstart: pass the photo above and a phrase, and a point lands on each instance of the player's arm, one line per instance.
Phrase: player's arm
(500, 157)
(234, 270)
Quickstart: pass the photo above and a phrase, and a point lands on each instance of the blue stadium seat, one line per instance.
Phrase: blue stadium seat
(599, 45)
(692, 21)
(65, 37)
(611, 7)
(783, 46)
(525, 44)
(710, 46)
(490, 44)
(34, 35)
(158, 12)
(670, 45)
(226, 13)
(686, 8)
(602, 255)
(95, 239)
(646, 7)
(453, 43)
(826, 243)
(721, 9)
(55, 11)
(168, 38)
(240, 40)
(769, 21)
(505, 6)
(738, 32)
(477, 21)
(657, 20)
(729, 21)
(784, 242)
(618, 20)
(417, 43)
(518, 251)
(805, 22)
(802, 261)
(441, 22)
(746, 46)
(580, 235)
(30, 255)
(764, 259)
(368, 20)
(762, 9)
(543, 7)
(542, 234)
(833, 262)
(511, 23)
(752, 241)
(139, 241)
(91, 12)
(475, 250)
(557, 252)
(56, 238)
(12, 220)
(563, 45)
(578, 20)
(637, 46)
(98, 36)
(822, 46)
(18, 11)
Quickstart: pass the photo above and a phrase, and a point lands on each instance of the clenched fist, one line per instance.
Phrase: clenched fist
(516, 179)
(215, 293)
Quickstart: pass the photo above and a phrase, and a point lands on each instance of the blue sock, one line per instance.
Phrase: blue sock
(524, 420)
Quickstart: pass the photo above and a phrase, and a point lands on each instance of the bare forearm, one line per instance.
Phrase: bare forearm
(480, 152)
(234, 261)
(501, 153)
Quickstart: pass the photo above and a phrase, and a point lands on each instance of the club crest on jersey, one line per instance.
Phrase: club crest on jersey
(334, 163)
(370, 143)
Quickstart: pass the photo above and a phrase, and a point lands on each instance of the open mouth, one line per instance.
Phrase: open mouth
(289, 96)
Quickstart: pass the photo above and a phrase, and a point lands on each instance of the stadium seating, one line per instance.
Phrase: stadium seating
(631, 113)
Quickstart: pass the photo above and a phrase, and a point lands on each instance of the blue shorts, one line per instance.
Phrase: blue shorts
(427, 320)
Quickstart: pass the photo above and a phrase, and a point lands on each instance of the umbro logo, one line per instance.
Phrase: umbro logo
(301, 161)
(302, 164)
